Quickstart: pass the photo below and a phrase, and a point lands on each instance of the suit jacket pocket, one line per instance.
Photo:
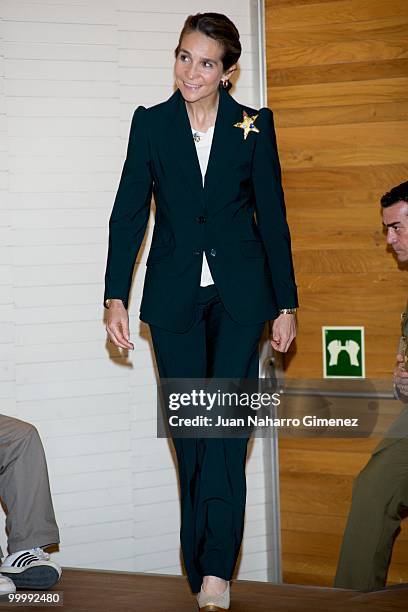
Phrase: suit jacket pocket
(252, 248)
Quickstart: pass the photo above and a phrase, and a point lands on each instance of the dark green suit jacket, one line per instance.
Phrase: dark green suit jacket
(250, 259)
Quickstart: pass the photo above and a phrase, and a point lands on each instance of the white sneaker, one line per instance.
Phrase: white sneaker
(31, 569)
(6, 585)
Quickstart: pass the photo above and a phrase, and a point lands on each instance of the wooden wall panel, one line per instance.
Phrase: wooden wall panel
(337, 73)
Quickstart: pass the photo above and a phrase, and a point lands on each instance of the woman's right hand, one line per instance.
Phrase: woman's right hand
(117, 325)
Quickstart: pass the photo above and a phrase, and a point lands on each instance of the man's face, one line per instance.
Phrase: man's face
(395, 219)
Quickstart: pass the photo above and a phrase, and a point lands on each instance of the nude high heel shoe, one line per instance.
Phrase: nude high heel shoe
(214, 603)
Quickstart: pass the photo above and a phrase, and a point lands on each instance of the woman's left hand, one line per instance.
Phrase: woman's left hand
(283, 332)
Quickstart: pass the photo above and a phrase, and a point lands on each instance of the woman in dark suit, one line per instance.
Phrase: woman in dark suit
(215, 273)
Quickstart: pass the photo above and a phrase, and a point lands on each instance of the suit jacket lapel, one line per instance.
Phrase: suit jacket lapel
(225, 140)
(182, 146)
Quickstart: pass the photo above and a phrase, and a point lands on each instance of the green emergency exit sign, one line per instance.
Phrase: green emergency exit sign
(343, 352)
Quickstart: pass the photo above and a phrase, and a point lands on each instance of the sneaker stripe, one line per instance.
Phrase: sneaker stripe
(17, 561)
(28, 561)
(24, 559)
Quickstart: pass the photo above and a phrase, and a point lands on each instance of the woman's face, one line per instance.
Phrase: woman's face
(198, 67)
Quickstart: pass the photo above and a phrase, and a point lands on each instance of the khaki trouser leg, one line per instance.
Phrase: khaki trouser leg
(380, 494)
(24, 487)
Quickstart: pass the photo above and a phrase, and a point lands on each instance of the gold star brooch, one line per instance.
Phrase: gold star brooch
(247, 124)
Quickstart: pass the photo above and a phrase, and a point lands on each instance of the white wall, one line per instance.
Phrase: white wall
(72, 73)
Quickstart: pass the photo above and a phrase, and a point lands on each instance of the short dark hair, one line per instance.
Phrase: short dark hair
(220, 28)
(396, 194)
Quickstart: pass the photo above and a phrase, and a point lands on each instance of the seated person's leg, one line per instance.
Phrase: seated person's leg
(25, 491)
(6, 585)
(374, 517)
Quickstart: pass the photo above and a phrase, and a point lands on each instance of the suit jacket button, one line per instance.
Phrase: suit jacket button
(201, 219)
(213, 252)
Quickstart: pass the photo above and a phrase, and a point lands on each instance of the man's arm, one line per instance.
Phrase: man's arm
(401, 380)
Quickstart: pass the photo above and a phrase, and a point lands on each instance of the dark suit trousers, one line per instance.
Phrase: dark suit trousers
(211, 470)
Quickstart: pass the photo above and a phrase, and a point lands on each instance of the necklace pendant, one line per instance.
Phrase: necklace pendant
(196, 137)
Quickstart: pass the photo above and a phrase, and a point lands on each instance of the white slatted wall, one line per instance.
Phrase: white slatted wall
(72, 73)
